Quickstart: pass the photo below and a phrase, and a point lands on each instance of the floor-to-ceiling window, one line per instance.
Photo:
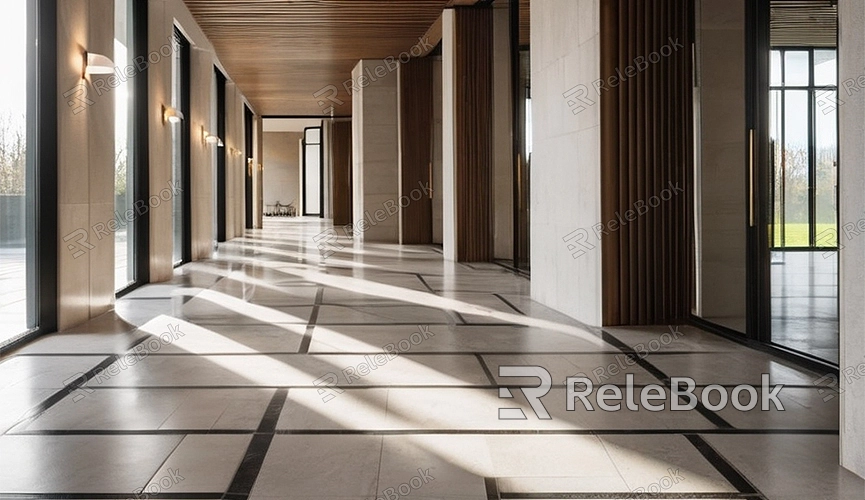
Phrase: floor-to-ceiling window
(181, 169)
(124, 165)
(804, 135)
(28, 173)
(312, 171)
(13, 171)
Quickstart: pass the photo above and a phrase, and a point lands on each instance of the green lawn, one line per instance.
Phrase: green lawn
(796, 235)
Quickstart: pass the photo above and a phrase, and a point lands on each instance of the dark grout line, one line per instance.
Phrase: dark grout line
(412, 432)
(515, 271)
(551, 432)
(249, 469)
(660, 375)
(422, 280)
(509, 303)
(110, 496)
(492, 488)
(310, 326)
(725, 468)
(393, 386)
(68, 389)
(628, 496)
(486, 369)
(361, 353)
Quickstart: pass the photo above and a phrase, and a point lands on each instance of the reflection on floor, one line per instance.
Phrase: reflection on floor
(13, 292)
(260, 374)
(805, 302)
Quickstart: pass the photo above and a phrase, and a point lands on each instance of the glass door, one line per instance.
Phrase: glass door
(803, 133)
(797, 248)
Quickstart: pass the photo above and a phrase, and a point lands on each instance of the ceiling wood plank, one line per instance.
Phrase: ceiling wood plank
(283, 53)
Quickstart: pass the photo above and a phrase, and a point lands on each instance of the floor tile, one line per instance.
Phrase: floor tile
(74, 464)
(788, 466)
(200, 464)
(178, 412)
(306, 466)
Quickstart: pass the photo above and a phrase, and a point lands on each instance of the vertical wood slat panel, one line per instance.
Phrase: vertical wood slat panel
(416, 122)
(646, 144)
(340, 144)
(473, 128)
(611, 178)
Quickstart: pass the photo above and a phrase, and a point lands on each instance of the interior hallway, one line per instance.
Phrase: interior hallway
(225, 403)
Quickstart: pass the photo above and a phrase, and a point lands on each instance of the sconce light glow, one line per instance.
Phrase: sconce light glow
(98, 64)
(171, 115)
(207, 138)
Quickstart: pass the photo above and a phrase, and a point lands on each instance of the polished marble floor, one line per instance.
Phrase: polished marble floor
(805, 302)
(260, 374)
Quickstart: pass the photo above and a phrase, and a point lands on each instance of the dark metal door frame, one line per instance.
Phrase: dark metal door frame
(250, 168)
(220, 156)
(304, 211)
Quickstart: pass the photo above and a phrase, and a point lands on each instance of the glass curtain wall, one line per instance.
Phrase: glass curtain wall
(180, 149)
(124, 189)
(14, 179)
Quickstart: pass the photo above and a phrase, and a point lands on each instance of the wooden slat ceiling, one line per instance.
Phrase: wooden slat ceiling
(281, 52)
(804, 23)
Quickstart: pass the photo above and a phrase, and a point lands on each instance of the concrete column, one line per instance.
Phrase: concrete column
(448, 69)
(851, 75)
(375, 143)
(565, 176)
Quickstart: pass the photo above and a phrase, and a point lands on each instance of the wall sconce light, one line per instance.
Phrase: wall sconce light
(98, 64)
(171, 115)
(207, 138)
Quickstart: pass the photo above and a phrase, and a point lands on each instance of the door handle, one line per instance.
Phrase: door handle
(751, 214)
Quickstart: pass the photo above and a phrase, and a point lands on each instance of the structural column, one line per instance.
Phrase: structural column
(467, 133)
(375, 159)
(566, 177)
(851, 77)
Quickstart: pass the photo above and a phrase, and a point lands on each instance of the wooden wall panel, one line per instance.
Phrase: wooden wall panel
(416, 122)
(340, 145)
(473, 128)
(646, 160)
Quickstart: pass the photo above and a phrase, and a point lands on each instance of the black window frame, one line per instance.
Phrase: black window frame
(221, 81)
(185, 48)
(813, 91)
(140, 136)
(320, 144)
